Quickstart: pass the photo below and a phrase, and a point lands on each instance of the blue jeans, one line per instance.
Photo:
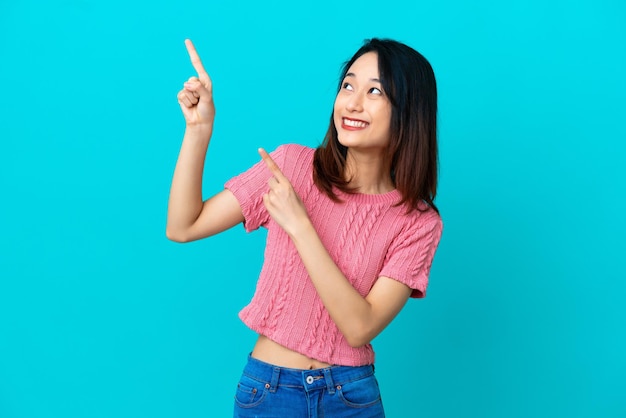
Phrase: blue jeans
(265, 390)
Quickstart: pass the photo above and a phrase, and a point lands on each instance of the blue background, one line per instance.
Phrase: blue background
(101, 316)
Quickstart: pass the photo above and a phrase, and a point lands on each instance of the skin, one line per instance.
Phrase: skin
(359, 319)
(361, 100)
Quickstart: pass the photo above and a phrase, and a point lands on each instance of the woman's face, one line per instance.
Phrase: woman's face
(362, 112)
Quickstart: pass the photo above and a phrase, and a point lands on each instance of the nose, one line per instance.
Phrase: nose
(355, 103)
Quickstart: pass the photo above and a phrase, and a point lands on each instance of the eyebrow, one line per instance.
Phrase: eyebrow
(371, 79)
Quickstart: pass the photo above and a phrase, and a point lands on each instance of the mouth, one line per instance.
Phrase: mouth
(353, 124)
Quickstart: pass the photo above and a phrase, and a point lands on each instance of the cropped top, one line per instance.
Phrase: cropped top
(367, 235)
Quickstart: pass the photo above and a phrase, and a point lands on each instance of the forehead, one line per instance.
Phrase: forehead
(365, 66)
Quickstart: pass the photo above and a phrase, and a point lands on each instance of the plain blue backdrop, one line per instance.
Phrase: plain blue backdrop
(102, 316)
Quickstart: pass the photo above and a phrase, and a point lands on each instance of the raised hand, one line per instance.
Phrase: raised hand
(281, 201)
(196, 97)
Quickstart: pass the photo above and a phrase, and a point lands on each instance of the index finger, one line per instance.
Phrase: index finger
(271, 165)
(195, 60)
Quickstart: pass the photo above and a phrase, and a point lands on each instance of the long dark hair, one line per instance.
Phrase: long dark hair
(409, 82)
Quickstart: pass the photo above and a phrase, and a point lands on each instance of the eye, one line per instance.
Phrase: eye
(375, 90)
(347, 86)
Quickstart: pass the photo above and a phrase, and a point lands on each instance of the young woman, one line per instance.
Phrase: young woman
(352, 231)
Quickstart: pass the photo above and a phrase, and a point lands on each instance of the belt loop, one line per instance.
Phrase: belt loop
(274, 381)
(330, 385)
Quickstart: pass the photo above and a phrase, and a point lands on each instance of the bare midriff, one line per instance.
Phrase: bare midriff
(270, 352)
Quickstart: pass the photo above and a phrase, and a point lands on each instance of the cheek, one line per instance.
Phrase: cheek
(386, 116)
(384, 123)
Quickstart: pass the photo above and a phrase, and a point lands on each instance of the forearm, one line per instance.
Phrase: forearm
(185, 201)
(350, 311)
(358, 318)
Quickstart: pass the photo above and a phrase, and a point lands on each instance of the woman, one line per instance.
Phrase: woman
(352, 232)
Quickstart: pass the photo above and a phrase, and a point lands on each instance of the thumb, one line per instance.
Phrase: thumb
(198, 89)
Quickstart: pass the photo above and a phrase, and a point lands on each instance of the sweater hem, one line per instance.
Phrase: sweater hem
(362, 360)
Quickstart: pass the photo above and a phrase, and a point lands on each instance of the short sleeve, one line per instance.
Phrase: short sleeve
(249, 188)
(411, 254)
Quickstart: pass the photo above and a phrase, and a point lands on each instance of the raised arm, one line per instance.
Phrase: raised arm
(188, 217)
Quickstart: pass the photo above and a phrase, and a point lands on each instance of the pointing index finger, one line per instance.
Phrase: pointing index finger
(195, 61)
(271, 165)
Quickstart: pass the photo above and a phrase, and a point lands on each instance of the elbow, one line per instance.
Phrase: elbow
(176, 236)
(356, 342)
(358, 338)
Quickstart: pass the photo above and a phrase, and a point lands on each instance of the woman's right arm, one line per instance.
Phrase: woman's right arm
(188, 217)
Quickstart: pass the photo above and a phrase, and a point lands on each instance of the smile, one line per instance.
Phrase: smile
(352, 123)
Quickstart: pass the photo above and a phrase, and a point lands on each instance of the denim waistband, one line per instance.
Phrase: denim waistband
(327, 377)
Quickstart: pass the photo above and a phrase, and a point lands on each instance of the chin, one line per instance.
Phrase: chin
(346, 143)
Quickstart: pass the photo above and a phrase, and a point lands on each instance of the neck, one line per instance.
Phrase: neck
(368, 173)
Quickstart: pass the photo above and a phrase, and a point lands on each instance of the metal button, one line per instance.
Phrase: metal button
(309, 379)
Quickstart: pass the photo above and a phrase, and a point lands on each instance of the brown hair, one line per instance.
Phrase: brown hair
(409, 82)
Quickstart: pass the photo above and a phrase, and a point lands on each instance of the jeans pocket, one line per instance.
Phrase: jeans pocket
(360, 393)
(250, 392)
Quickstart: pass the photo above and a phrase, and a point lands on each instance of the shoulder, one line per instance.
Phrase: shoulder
(295, 151)
(423, 219)
(293, 158)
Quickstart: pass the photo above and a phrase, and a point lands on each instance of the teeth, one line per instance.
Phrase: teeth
(355, 123)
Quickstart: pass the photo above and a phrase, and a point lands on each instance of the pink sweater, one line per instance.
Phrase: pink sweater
(367, 237)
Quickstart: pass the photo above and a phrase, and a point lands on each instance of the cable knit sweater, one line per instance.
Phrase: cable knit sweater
(367, 237)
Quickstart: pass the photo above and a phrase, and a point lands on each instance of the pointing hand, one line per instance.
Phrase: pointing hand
(281, 201)
(196, 97)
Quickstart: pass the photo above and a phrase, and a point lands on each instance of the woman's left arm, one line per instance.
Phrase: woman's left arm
(359, 318)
